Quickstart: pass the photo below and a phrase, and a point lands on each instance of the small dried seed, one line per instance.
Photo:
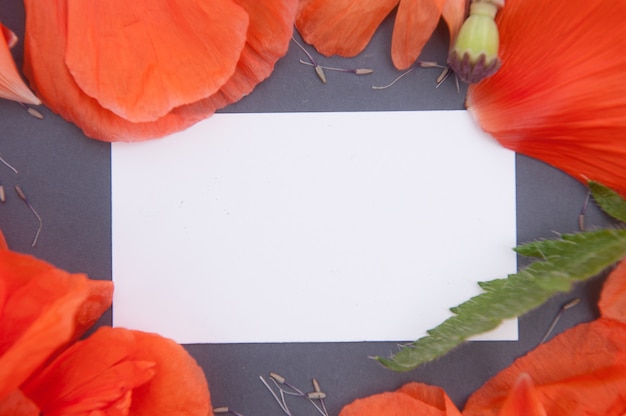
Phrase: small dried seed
(221, 410)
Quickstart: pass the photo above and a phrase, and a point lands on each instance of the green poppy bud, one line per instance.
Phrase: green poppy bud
(475, 52)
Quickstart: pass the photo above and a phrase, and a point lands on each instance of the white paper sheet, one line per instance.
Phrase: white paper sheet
(310, 227)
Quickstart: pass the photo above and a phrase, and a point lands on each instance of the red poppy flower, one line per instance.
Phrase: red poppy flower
(11, 85)
(410, 399)
(560, 94)
(580, 372)
(345, 27)
(43, 309)
(132, 71)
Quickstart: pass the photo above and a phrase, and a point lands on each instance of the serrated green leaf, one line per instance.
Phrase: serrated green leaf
(571, 258)
(610, 201)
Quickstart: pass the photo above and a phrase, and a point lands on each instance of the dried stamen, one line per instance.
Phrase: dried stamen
(3, 196)
(583, 212)
(556, 319)
(356, 71)
(33, 112)
(318, 69)
(280, 402)
(22, 196)
(284, 388)
(8, 165)
(225, 411)
(418, 64)
(318, 389)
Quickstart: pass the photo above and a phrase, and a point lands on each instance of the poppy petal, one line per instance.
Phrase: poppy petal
(523, 400)
(179, 386)
(11, 85)
(17, 404)
(267, 40)
(91, 375)
(43, 309)
(431, 395)
(341, 27)
(141, 61)
(38, 317)
(45, 67)
(613, 297)
(454, 13)
(560, 94)
(9, 36)
(416, 21)
(579, 372)
(411, 399)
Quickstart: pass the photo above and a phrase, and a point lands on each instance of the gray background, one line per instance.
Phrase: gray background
(67, 179)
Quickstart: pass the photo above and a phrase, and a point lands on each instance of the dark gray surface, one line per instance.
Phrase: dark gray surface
(67, 179)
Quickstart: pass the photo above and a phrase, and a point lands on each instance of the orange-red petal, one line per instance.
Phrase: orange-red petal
(560, 94)
(17, 404)
(416, 21)
(179, 386)
(411, 399)
(612, 302)
(523, 400)
(11, 85)
(142, 59)
(454, 13)
(42, 309)
(578, 373)
(97, 374)
(267, 40)
(44, 66)
(341, 27)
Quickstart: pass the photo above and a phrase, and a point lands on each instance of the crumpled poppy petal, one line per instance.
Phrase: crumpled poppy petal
(140, 62)
(411, 399)
(431, 395)
(267, 40)
(93, 375)
(44, 66)
(416, 21)
(612, 302)
(341, 27)
(11, 85)
(17, 404)
(580, 372)
(560, 94)
(43, 308)
(179, 386)
(523, 400)
(454, 13)
(38, 317)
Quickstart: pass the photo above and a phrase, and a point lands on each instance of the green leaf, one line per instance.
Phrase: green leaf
(561, 263)
(609, 200)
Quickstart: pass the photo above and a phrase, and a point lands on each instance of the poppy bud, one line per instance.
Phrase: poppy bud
(475, 52)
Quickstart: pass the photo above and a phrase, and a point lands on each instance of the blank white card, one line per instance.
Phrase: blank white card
(310, 227)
